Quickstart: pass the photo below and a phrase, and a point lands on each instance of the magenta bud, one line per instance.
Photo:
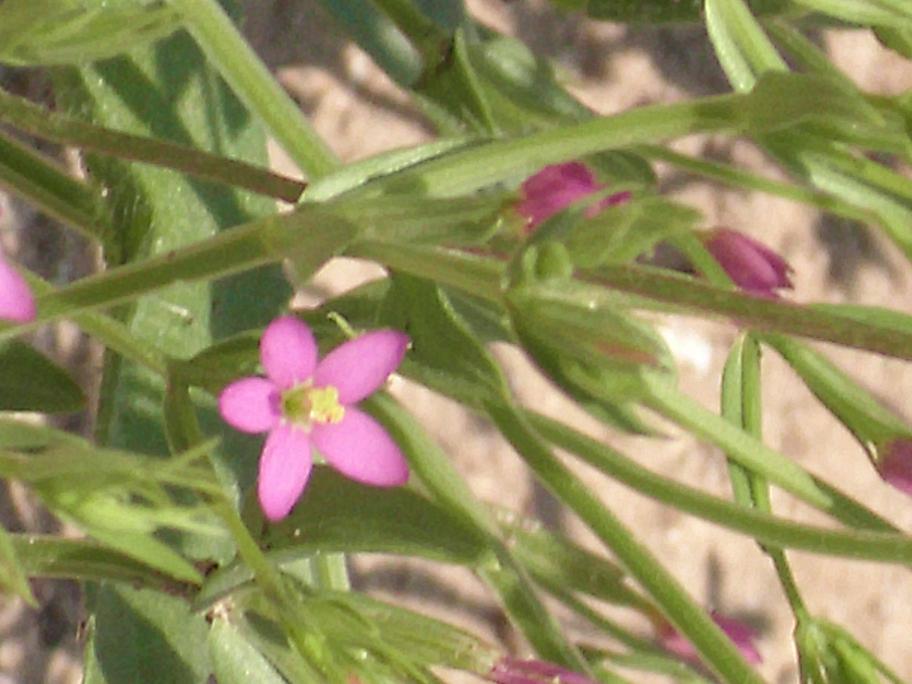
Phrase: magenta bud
(518, 671)
(556, 187)
(895, 465)
(16, 301)
(753, 266)
(740, 634)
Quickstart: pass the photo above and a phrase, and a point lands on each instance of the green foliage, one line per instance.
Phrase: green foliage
(185, 579)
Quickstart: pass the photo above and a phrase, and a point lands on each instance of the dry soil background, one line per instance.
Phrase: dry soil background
(611, 68)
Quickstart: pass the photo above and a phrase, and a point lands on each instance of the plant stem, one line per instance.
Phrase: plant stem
(759, 458)
(39, 180)
(742, 405)
(58, 128)
(715, 648)
(217, 35)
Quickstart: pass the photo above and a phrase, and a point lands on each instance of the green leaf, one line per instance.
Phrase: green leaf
(555, 561)
(145, 636)
(885, 13)
(422, 310)
(898, 40)
(717, 651)
(235, 660)
(782, 100)
(31, 382)
(657, 11)
(13, 573)
(87, 560)
(39, 181)
(629, 231)
(872, 424)
(372, 520)
(56, 127)
(456, 88)
(55, 32)
(741, 46)
(843, 327)
(888, 547)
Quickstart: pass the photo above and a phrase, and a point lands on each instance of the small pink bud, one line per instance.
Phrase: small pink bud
(16, 301)
(753, 266)
(895, 466)
(518, 671)
(740, 634)
(556, 187)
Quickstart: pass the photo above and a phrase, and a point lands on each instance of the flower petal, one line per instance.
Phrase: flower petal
(359, 448)
(553, 189)
(895, 466)
(360, 366)
(752, 266)
(16, 301)
(250, 405)
(285, 465)
(741, 634)
(288, 351)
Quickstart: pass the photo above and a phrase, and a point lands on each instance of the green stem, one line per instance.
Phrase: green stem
(83, 559)
(217, 35)
(476, 275)
(876, 546)
(692, 621)
(742, 406)
(40, 181)
(499, 567)
(756, 456)
(484, 165)
(58, 128)
(778, 316)
(740, 178)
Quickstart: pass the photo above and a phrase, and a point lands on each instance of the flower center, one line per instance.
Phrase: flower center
(305, 405)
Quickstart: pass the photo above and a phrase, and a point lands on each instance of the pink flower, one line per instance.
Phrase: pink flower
(516, 671)
(740, 634)
(16, 301)
(556, 187)
(305, 404)
(753, 266)
(895, 466)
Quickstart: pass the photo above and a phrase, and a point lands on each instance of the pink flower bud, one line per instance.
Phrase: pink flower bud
(740, 634)
(753, 266)
(518, 671)
(556, 187)
(895, 465)
(16, 301)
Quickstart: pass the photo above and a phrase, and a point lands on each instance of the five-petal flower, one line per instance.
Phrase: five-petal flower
(306, 403)
(16, 301)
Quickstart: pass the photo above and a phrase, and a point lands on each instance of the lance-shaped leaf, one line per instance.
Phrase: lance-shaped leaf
(31, 382)
(55, 32)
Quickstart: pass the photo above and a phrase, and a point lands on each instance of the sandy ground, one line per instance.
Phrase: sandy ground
(610, 68)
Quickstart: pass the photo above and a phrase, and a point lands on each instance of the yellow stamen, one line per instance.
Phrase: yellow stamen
(304, 405)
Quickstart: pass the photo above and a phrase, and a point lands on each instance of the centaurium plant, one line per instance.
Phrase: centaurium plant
(169, 110)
